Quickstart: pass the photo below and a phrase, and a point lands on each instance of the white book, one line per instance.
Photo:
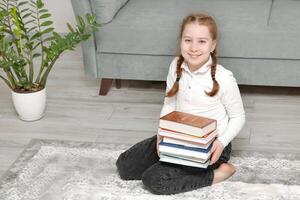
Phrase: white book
(198, 160)
(174, 160)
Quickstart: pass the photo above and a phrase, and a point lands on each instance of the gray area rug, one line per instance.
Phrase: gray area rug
(56, 170)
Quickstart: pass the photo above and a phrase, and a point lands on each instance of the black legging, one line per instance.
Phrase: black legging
(141, 162)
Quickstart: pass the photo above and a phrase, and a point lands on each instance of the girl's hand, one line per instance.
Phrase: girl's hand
(159, 139)
(216, 151)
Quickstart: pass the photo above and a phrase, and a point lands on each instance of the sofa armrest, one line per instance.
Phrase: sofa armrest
(81, 7)
(106, 9)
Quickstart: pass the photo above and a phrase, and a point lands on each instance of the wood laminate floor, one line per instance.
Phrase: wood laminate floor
(130, 114)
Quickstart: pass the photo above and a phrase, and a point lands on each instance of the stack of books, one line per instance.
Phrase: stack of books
(186, 139)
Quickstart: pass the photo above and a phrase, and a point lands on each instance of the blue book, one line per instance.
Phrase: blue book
(180, 146)
(178, 150)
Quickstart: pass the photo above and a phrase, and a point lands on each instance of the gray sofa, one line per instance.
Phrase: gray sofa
(259, 40)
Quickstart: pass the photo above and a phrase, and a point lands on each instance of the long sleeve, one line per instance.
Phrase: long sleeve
(170, 102)
(232, 101)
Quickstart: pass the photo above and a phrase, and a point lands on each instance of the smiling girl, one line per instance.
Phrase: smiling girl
(198, 85)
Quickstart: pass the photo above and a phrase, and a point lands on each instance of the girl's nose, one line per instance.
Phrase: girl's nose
(194, 47)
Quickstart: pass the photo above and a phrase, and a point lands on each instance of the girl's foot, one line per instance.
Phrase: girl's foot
(225, 171)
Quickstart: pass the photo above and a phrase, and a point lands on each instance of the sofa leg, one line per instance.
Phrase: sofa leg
(105, 86)
(118, 83)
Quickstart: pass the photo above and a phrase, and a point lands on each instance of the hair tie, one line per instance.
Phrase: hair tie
(177, 79)
(213, 76)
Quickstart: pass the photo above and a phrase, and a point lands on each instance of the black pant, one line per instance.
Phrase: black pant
(141, 162)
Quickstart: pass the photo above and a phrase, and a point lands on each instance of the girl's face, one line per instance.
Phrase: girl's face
(196, 45)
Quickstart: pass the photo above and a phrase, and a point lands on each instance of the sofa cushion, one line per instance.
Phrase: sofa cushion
(242, 24)
(285, 15)
(247, 71)
(106, 9)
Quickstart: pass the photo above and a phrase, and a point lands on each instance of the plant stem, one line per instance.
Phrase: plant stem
(41, 42)
(6, 81)
(45, 75)
(37, 80)
(31, 73)
(11, 79)
(9, 72)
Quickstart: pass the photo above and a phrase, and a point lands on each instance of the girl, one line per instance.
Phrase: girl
(196, 84)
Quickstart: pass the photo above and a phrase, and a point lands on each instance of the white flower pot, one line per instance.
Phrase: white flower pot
(30, 106)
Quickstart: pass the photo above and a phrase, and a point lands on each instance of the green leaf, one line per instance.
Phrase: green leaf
(86, 36)
(24, 35)
(56, 35)
(48, 30)
(47, 23)
(30, 21)
(26, 15)
(80, 21)
(70, 27)
(43, 10)
(45, 15)
(49, 39)
(35, 46)
(36, 35)
(32, 4)
(34, 17)
(39, 4)
(24, 10)
(31, 29)
(22, 3)
(2, 4)
(36, 55)
(29, 45)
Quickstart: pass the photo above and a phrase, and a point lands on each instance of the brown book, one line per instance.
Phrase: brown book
(187, 123)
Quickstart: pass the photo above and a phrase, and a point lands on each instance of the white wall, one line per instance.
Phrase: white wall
(62, 13)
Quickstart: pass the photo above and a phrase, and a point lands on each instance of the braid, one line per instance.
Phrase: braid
(178, 68)
(173, 91)
(215, 88)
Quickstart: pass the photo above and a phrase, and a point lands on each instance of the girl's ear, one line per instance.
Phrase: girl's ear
(213, 46)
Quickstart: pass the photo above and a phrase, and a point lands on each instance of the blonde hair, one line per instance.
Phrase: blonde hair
(206, 20)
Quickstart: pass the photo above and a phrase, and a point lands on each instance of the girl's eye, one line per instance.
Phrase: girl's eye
(187, 40)
(202, 41)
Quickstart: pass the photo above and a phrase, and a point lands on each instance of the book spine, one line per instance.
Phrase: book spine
(179, 161)
(183, 152)
(185, 143)
(179, 146)
(182, 137)
(182, 128)
(185, 158)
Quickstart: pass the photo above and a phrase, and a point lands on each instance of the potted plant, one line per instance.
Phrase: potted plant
(26, 38)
